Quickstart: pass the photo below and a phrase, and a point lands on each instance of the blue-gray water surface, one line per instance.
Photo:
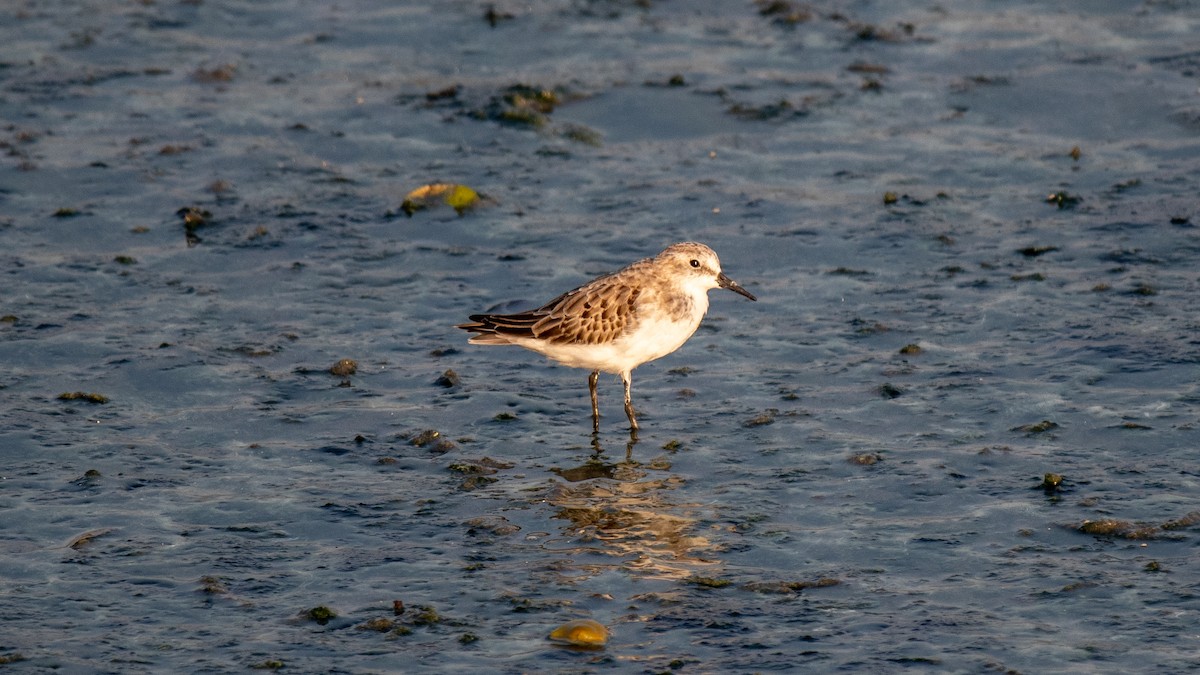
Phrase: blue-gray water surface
(956, 433)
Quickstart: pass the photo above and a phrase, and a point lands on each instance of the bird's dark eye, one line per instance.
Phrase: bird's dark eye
(695, 263)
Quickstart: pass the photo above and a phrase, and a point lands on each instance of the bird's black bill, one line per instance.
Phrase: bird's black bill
(725, 282)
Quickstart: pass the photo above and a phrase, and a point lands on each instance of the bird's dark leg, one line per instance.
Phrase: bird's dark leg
(627, 378)
(595, 408)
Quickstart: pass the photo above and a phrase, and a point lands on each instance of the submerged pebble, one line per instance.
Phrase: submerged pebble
(344, 367)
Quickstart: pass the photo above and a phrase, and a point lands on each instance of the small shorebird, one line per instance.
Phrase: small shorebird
(619, 321)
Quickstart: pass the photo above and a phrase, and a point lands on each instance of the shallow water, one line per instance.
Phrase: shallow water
(803, 494)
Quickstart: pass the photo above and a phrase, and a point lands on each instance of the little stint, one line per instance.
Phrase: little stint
(618, 321)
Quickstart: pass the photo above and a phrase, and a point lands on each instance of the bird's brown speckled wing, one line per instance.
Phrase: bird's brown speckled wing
(594, 313)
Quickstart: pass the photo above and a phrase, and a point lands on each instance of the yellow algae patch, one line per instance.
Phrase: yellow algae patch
(458, 197)
(581, 633)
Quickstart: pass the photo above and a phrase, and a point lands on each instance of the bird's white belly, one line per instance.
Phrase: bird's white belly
(652, 339)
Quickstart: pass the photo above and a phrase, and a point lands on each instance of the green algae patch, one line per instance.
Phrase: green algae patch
(1111, 527)
(1051, 483)
(475, 482)
(320, 614)
(425, 438)
(781, 109)
(83, 396)
(1190, 520)
(1122, 529)
(448, 379)
(210, 585)
(344, 368)
(784, 13)
(522, 105)
(425, 615)
(761, 419)
(194, 217)
(1035, 251)
(889, 390)
(1034, 276)
(432, 440)
(581, 134)
(849, 272)
(708, 582)
(786, 587)
(1036, 427)
(379, 625)
(1063, 200)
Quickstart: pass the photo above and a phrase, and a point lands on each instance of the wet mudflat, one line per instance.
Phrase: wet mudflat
(957, 432)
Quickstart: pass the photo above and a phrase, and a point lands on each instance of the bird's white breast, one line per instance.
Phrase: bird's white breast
(661, 328)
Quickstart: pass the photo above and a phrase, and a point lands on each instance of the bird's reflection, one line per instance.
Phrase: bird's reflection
(624, 510)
